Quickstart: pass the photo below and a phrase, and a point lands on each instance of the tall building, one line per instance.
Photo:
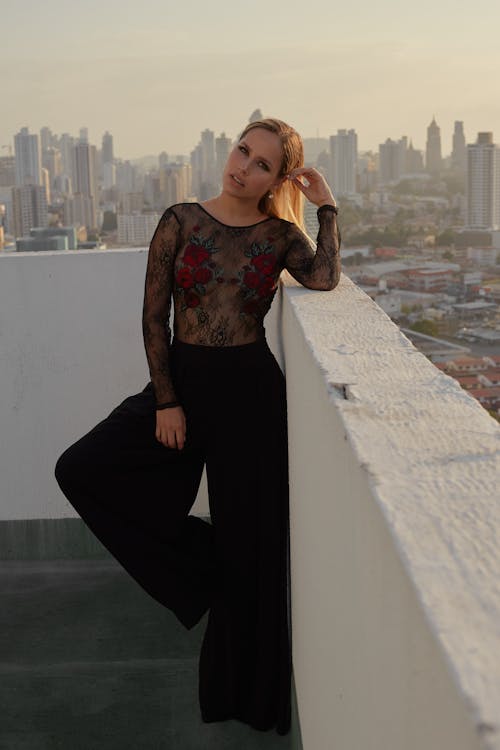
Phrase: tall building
(28, 158)
(163, 159)
(108, 175)
(175, 183)
(392, 160)
(84, 135)
(47, 138)
(344, 154)
(29, 207)
(107, 154)
(66, 146)
(433, 160)
(126, 176)
(52, 161)
(313, 147)
(483, 183)
(85, 184)
(46, 183)
(136, 229)
(414, 160)
(459, 150)
(256, 115)
(208, 152)
(7, 171)
(222, 151)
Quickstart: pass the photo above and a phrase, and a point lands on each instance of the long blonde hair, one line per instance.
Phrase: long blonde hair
(287, 201)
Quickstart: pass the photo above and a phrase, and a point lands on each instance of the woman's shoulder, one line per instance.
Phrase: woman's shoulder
(181, 209)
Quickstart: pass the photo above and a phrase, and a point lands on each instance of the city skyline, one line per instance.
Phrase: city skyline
(158, 75)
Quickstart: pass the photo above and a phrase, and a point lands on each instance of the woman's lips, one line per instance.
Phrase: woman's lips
(238, 181)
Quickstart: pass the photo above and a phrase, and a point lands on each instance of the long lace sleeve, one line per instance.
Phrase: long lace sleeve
(320, 269)
(156, 308)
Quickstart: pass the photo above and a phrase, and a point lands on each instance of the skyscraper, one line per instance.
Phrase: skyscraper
(344, 153)
(85, 184)
(66, 145)
(483, 183)
(28, 158)
(459, 150)
(414, 160)
(392, 160)
(208, 151)
(433, 161)
(107, 148)
(7, 171)
(222, 149)
(29, 207)
(46, 138)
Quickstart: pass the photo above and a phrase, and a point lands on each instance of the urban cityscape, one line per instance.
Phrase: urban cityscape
(420, 229)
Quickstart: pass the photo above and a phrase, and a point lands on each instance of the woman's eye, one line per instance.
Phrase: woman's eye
(264, 165)
(243, 148)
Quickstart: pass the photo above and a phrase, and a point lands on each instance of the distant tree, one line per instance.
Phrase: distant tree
(446, 238)
(428, 327)
(448, 255)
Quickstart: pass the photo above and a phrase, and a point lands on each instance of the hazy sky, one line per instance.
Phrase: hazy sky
(156, 73)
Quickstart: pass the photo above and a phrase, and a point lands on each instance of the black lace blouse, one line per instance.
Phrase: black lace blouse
(222, 280)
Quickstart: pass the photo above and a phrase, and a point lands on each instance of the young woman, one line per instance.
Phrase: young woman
(217, 398)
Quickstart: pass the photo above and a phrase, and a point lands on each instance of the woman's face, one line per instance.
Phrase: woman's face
(253, 165)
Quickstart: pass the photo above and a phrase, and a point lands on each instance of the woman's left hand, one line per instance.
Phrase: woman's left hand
(318, 190)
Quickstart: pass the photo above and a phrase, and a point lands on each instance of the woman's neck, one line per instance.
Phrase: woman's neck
(232, 210)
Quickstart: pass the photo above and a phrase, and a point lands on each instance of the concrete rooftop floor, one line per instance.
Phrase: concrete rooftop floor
(89, 661)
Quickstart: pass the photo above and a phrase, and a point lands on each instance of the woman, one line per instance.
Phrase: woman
(216, 398)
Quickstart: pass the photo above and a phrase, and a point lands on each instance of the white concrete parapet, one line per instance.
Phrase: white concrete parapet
(395, 536)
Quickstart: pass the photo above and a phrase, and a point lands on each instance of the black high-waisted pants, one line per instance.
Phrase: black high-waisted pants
(135, 495)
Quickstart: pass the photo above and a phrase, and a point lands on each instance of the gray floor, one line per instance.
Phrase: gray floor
(89, 661)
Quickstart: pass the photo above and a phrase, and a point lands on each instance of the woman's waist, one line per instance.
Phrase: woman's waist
(216, 353)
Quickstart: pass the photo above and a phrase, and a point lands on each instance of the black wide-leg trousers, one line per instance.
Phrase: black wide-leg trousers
(135, 495)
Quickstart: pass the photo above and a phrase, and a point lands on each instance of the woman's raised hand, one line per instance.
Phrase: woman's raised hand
(318, 190)
(171, 427)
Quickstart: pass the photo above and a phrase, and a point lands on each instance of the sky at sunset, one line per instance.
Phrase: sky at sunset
(157, 73)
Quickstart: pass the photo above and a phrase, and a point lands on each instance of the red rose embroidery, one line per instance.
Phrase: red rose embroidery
(202, 275)
(195, 255)
(251, 279)
(266, 287)
(264, 263)
(184, 278)
(196, 228)
(192, 299)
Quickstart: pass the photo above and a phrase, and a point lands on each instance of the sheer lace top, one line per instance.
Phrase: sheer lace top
(222, 280)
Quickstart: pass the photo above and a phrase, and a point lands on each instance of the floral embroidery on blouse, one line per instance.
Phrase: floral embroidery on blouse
(258, 278)
(196, 270)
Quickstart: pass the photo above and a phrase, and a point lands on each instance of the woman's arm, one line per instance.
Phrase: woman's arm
(320, 269)
(170, 417)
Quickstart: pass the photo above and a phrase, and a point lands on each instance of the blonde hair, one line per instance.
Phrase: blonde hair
(287, 201)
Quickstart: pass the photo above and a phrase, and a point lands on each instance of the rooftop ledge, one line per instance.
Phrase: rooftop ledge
(394, 475)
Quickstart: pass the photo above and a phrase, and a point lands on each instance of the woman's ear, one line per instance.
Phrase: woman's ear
(279, 182)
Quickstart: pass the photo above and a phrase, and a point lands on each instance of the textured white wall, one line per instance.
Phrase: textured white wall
(71, 349)
(395, 530)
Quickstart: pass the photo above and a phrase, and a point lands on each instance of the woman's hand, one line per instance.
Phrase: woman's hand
(171, 427)
(318, 190)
